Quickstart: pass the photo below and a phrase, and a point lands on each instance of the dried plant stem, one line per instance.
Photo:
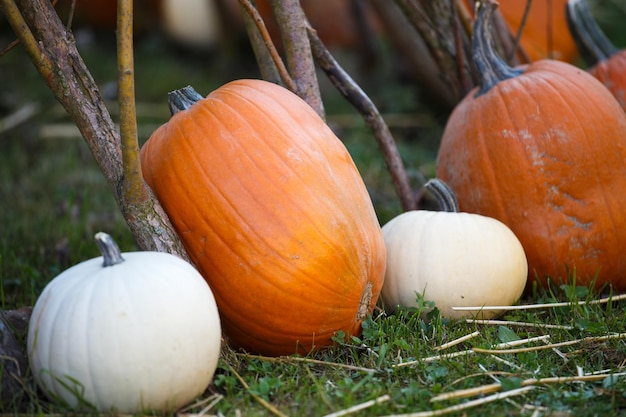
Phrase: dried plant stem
(552, 345)
(469, 404)
(258, 399)
(519, 324)
(490, 388)
(521, 341)
(546, 305)
(308, 360)
(434, 358)
(360, 407)
(471, 351)
(458, 341)
(206, 403)
(357, 97)
(467, 392)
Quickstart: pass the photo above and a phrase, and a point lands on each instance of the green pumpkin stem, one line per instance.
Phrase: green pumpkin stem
(443, 194)
(591, 41)
(182, 99)
(491, 68)
(110, 251)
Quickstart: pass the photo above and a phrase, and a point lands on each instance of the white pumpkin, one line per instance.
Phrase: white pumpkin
(453, 259)
(192, 23)
(125, 332)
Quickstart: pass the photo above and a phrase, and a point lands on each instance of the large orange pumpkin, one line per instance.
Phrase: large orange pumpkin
(542, 149)
(271, 208)
(606, 62)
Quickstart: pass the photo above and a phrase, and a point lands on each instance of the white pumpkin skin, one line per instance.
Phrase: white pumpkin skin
(454, 259)
(140, 335)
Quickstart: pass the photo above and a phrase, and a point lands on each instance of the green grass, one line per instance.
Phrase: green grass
(53, 199)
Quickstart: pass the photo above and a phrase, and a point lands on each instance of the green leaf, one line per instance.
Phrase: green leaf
(511, 383)
(610, 381)
(506, 335)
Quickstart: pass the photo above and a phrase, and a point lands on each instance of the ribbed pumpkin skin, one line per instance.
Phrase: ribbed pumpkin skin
(545, 153)
(273, 211)
(612, 73)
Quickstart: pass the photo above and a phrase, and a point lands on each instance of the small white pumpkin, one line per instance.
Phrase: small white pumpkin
(125, 332)
(453, 259)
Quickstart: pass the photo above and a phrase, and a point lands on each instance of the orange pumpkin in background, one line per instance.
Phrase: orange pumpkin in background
(606, 62)
(101, 15)
(272, 210)
(543, 150)
(545, 33)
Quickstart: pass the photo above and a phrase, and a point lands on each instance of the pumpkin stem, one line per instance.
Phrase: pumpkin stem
(110, 251)
(443, 194)
(491, 68)
(182, 99)
(591, 41)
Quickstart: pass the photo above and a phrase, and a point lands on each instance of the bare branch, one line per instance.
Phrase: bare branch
(353, 93)
(53, 51)
(134, 188)
(293, 28)
(268, 58)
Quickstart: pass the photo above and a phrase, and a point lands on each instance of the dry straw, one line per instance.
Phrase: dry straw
(490, 388)
(546, 305)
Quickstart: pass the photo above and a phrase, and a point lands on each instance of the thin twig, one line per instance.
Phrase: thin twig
(210, 402)
(465, 84)
(308, 360)
(480, 374)
(16, 42)
(507, 363)
(470, 351)
(25, 36)
(519, 324)
(257, 398)
(434, 358)
(521, 341)
(360, 407)
(133, 186)
(458, 341)
(357, 97)
(469, 404)
(552, 345)
(520, 30)
(546, 305)
(277, 61)
(489, 388)
(467, 392)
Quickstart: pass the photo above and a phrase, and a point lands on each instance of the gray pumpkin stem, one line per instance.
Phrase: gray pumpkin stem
(443, 193)
(110, 251)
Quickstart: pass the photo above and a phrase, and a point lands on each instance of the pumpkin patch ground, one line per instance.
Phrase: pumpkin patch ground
(559, 350)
